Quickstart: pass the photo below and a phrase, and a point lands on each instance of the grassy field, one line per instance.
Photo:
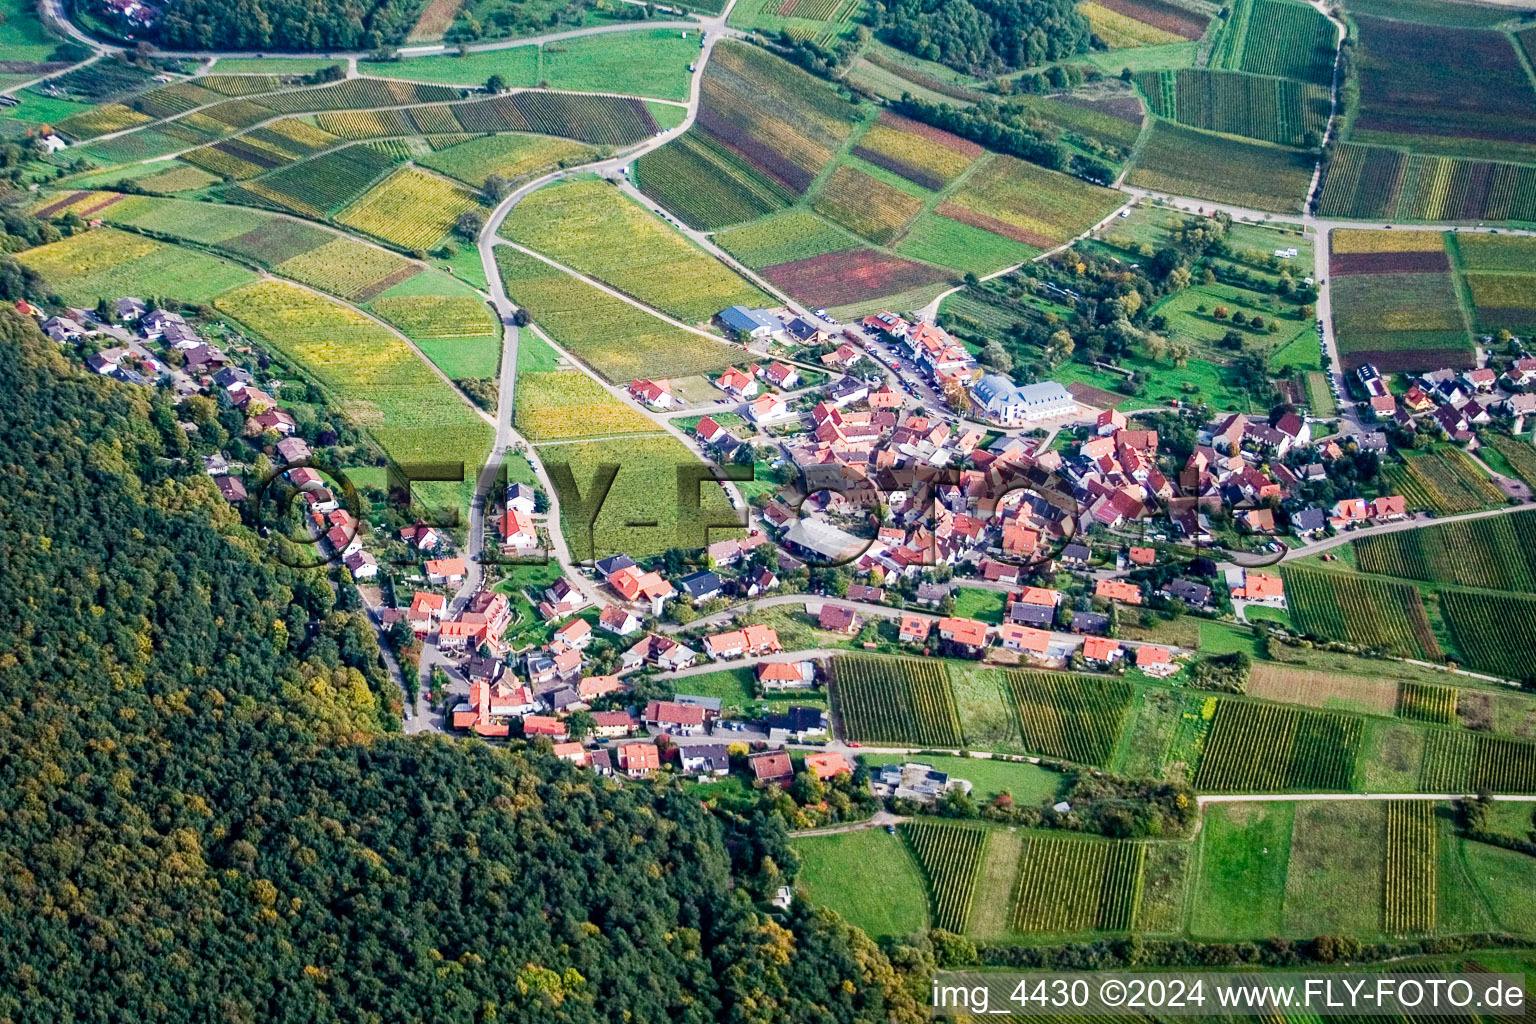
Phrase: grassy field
(646, 62)
(1244, 853)
(594, 228)
(644, 491)
(108, 264)
(793, 235)
(518, 66)
(375, 377)
(976, 603)
(1028, 784)
(447, 321)
(1334, 880)
(22, 36)
(835, 872)
(1187, 162)
(618, 340)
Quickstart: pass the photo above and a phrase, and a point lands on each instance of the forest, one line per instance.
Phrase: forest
(206, 812)
(984, 35)
(286, 24)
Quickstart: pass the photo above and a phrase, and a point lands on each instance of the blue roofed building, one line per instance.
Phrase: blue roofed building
(1010, 403)
(756, 323)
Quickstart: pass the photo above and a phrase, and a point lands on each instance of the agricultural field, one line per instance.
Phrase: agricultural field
(1125, 24)
(1395, 302)
(107, 264)
(1412, 867)
(926, 156)
(1382, 183)
(1188, 162)
(513, 157)
(961, 247)
(1368, 611)
(568, 404)
(1330, 690)
(1498, 553)
(1027, 203)
(865, 205)
(375, 377)
(1504, 300)
(1320, 396)
(1521, 455)
(1462, 761)
(1277, 37)
(410, 208)
(1073, 717)
(596, 229)
(707, 185)
(1275, 110)
(1443, 480)
(446, 320)
(949, 856)
(835, 872)
(22, 36)
(1261, 747)
(348, 268)
(1415, 91)
(1492, 631)
(517, 65)
(1244, 854)
(645, 62)
(1421, 702)
(618, 340)
(1070, 884)
(315, 188)
(822, 21)
(643, 491)
(895, 700)
(782, 121)
(785, 238)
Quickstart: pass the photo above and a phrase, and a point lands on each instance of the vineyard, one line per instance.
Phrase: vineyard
(1267, 747)
(1400, 321)
(348, 268)
(618, 340)
(1497, 553)
(706, 185)
(596, 229)
(1492, 631)
(1028, 203)
(108, 264)
(1462, 761)
(436, 316)
(1277, 37)
(317, 187)
(949, 856)
(1271, 109)
(1368, 611)
(866, 206)
(1521, 455)
(1186, 162)
(1504, 300)
(1120, 32)
(926, 156)
(1073, 717)
(376, 378)
(513, 157)
(777, 118)
(567, 404)
(895, 700)
(1076, 885)
(411, 208)
(1422, 702)
(1444, 480)
(1376, 182)
(790, 236)
(1412, 868)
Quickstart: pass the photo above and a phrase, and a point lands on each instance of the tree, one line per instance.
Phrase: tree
(469, 225)
(496, 188)
(579, 724)
(994, 355)
(1221, 312)
(495, 84)
(522, 317)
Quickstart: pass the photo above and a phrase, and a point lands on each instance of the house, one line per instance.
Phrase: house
(1118, 590)
(736, 383)
(576, 634)
(544, 725)
(230, 488)
(1089, 622)
(361, 565)
(772, 767)
(521, 497)
(1417, 400)
(517, 530)
(1142, 556)
(780, 375)
(1308, 522)
(710, 432)
(654, 394)
(590, 687)
(1195, 595)
(562, 598)
(842, 357)
(618, 620)
(705, 759)
(572, 752)
(796, 723)
(642, 587)
(63, 328)
(292, 449)
(425, 611)
(663, 652)
(753, 323)
(445, 571)
(769, 408)
(868, 595)
(968, 634)
(1006, 402)
(1481, 379)
(701, 586)
(1076, 555)
(914, 629)
(920, 783)
(1258, 586)
(130, 309)
(637, 760)
(1391, 506)
(1109, 422)
(807, 333)
(488, 707)
(613, 724)
(786, 675)
(932, 594)
(1101, 650)
(839, 619)
(1383, 406)
(1347, 511)
(827, 766)
(1015, 637)
(1155, 661)
(343, 541)
(1258, 520)
(761, 582)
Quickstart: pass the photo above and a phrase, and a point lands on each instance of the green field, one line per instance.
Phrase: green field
(1258, 107)
(513, 157)
(895, 700)
(22, 36)
(1498, 553)
(1443, 480)
(976, 603)
(950, 243)
(518, 66)
(1184, 161)
(1240, 887)
(108, 264)
(1369, 611)
(646, 62)
(835, 872)
(1028, 784)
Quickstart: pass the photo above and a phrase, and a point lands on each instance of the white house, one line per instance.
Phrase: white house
(1008, 403)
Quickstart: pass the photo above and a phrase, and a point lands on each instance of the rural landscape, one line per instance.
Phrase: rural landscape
(728, 510)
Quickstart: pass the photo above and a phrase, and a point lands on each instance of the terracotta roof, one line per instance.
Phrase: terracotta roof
(1146, 654)
(964, 631)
